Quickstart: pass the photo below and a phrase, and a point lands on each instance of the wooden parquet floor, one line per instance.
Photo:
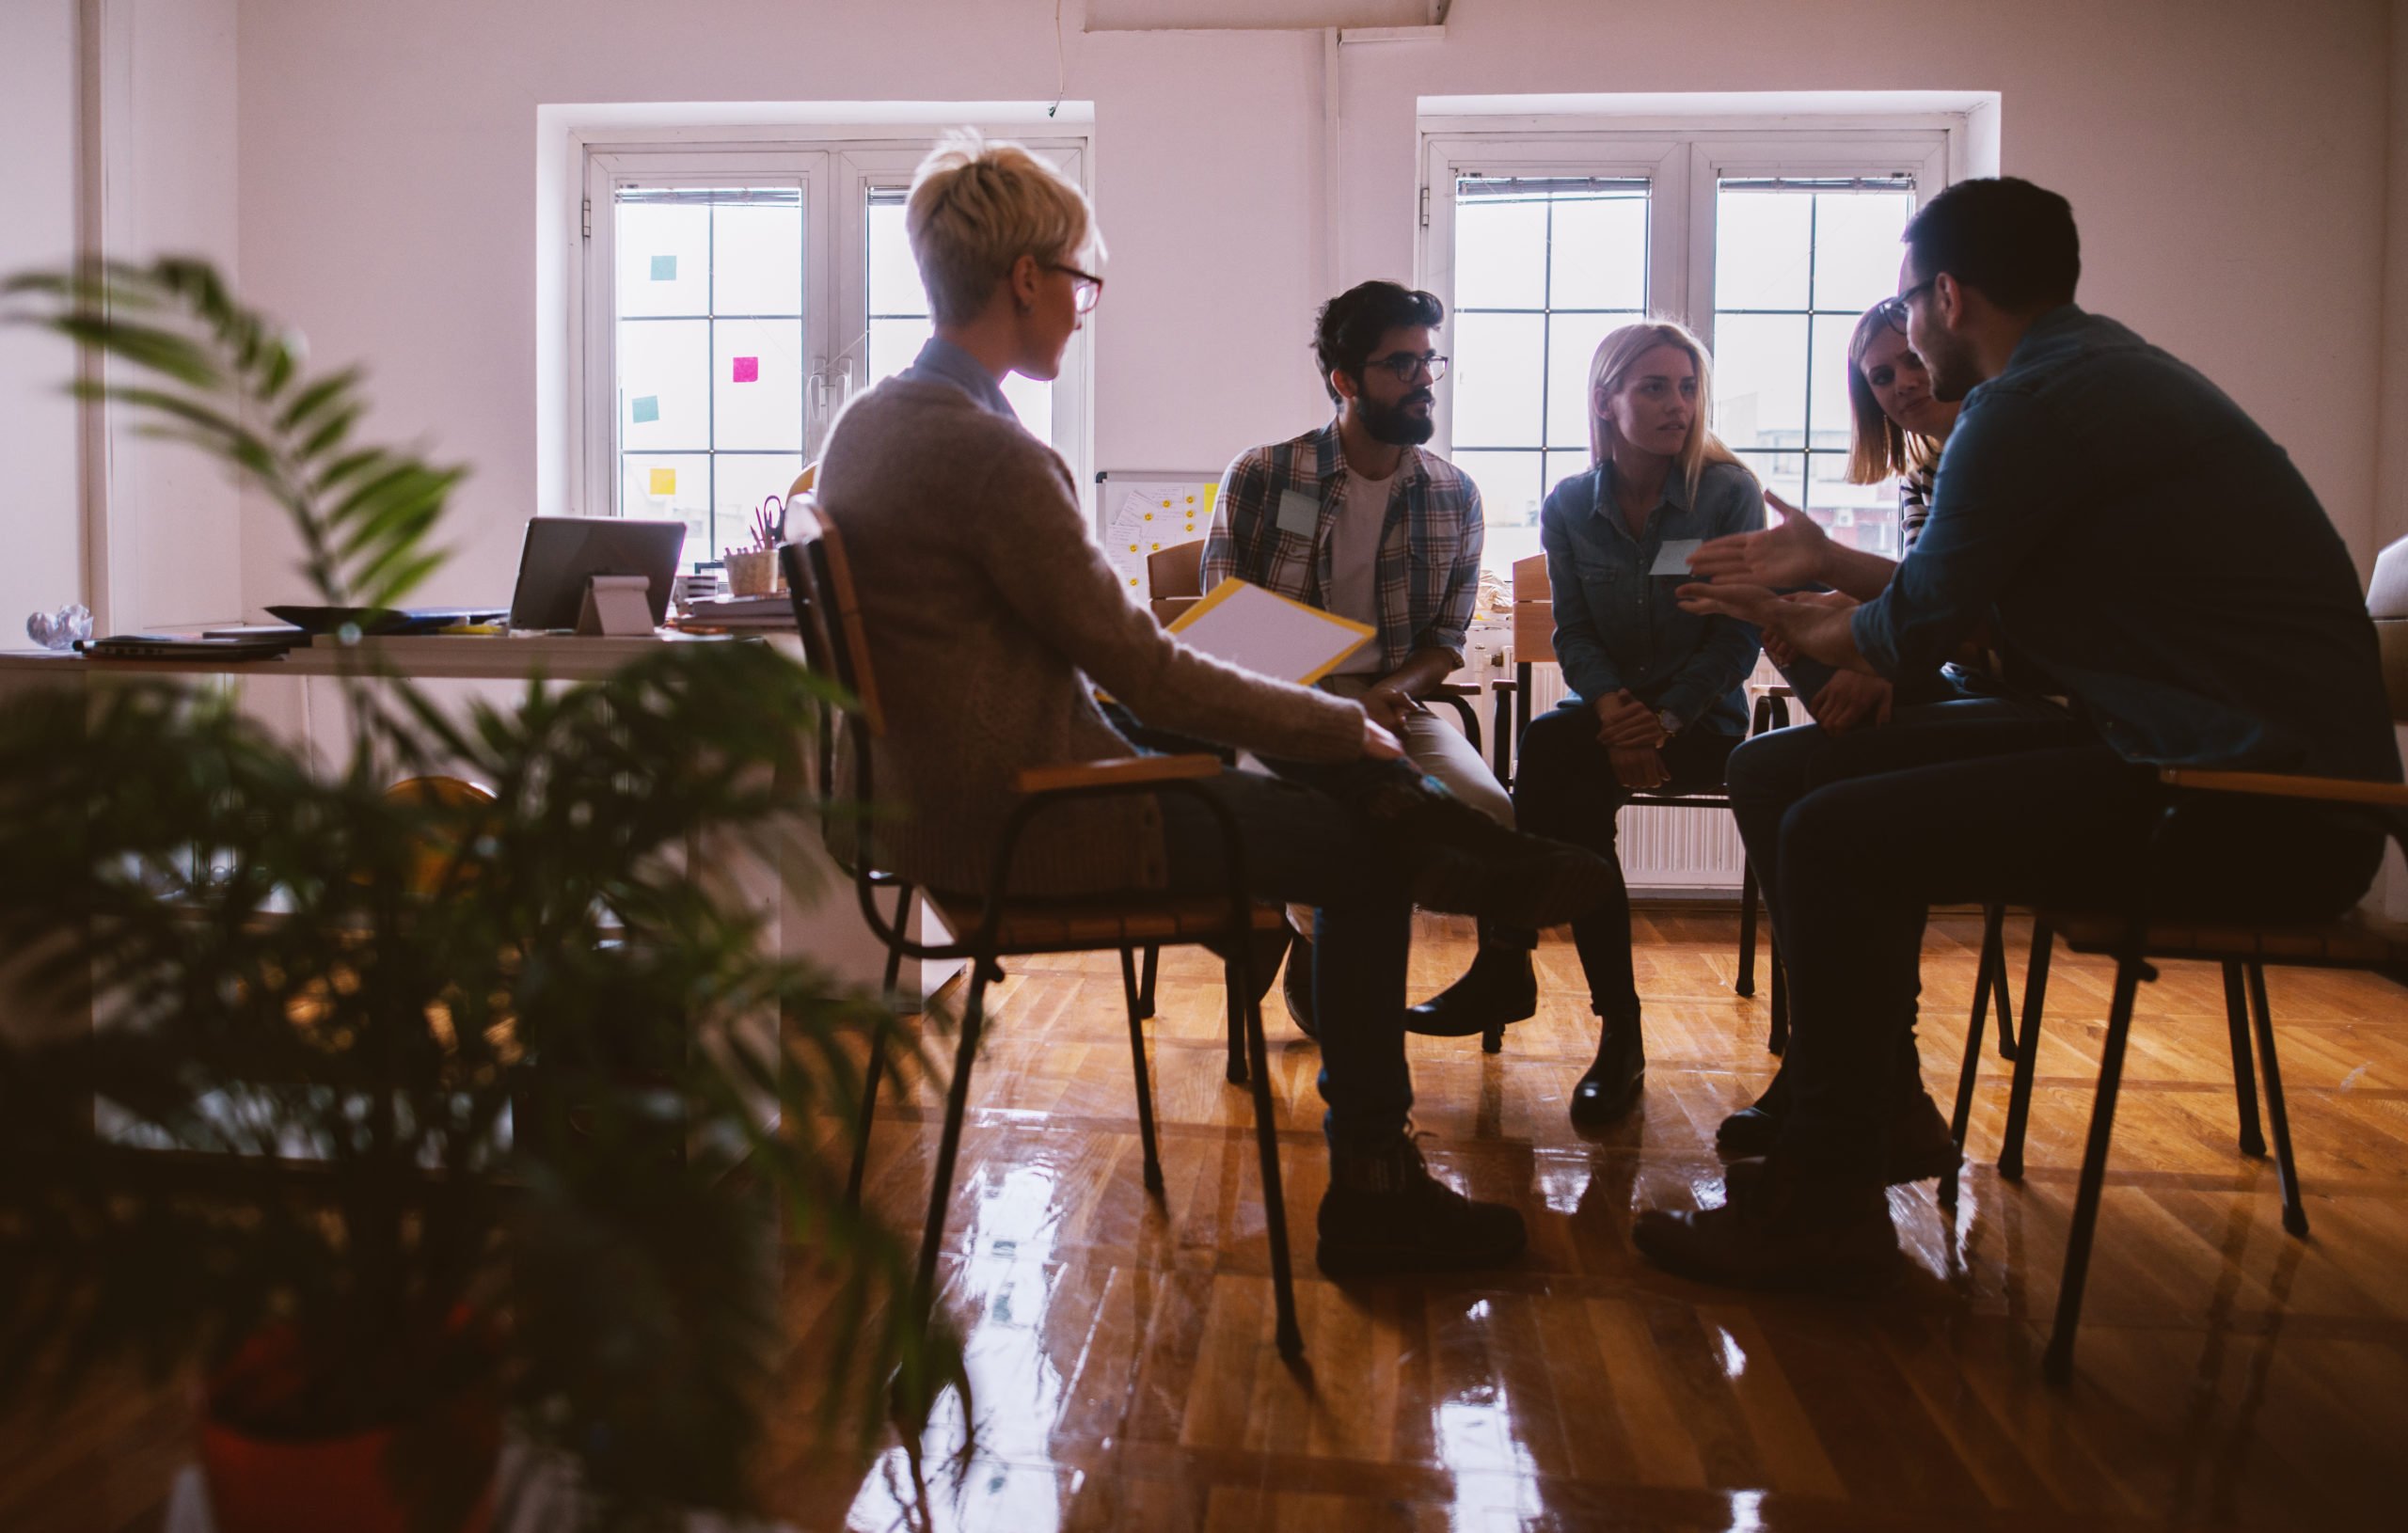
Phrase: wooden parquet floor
(2229, 1375)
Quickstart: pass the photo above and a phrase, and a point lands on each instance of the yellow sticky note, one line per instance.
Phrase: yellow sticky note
(1212, 493)
(664, 482)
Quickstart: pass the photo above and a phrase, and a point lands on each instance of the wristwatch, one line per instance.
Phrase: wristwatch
(1669, 722)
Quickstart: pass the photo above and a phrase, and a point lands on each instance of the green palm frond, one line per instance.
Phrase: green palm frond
(201, 368)
(327, 1026)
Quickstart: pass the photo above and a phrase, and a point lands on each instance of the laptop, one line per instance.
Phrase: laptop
(563, 554)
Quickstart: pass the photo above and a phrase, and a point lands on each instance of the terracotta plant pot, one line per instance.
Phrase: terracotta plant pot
(277, 1484)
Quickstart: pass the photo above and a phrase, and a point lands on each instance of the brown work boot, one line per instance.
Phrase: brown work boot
(1779, 1227)
(1384, 1213)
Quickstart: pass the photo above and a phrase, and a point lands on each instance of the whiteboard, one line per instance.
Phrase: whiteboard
(1139, 513)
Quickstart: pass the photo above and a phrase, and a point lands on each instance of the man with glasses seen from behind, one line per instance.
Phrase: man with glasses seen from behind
(1357, 519)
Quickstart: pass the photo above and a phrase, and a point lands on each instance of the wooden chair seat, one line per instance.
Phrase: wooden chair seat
(1069, 926)
(2356, 940)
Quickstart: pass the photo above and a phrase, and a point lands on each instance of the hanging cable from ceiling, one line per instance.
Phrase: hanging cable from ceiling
(1061, 75)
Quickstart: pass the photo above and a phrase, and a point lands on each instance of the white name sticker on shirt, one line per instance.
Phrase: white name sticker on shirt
(1673, 558)
(1300, 514)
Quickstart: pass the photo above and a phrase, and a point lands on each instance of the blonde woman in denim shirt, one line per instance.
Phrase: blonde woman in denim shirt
(1653, 694)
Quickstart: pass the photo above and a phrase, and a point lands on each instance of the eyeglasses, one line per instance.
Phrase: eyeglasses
(1893, 310)
(1086, 289)
(1405, 364)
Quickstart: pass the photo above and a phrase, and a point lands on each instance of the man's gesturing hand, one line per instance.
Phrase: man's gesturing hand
(1794, 553)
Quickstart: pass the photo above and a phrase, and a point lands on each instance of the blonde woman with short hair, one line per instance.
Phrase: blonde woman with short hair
(1654, 696)
(991, 618)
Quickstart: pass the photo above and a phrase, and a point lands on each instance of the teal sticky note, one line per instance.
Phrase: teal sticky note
(645, 407)
(664, 268)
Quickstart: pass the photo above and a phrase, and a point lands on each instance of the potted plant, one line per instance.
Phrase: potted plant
(410, 1116)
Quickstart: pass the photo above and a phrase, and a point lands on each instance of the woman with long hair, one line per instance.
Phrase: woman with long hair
(1897, 427)
(1653, 694)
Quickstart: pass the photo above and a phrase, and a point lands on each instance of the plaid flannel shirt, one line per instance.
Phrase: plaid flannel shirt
(1428, 570)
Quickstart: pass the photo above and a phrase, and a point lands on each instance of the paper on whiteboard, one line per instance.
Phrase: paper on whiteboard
(1267, 633)
(1151, 518)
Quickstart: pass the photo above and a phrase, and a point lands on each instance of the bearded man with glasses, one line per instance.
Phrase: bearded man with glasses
(1357, 518)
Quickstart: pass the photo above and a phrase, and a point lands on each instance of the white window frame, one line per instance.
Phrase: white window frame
(1684, 163)
(837, 172)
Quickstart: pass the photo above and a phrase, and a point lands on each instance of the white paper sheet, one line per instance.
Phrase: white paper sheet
(1265, 632)
(1673, 558)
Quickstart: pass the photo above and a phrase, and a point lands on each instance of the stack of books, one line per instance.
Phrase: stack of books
(731, 613)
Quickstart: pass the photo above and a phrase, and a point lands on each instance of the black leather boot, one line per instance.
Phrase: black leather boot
(1499, 987)
(1611, 1086)
(1384, 1213)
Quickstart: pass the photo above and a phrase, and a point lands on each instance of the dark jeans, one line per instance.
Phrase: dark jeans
(1567, 790)
(1303, 839)
(1771, 772)
(1860, 861)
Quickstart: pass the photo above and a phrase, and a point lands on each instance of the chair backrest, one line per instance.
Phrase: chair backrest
(2387, 604)
(827, 609)
(1175, 578)
(1533, 611)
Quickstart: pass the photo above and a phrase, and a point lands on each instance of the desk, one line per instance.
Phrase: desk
(281, 695)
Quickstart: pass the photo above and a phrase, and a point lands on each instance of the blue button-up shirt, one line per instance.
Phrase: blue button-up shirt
(941, 361)
(2150, 551)
(1618, 626)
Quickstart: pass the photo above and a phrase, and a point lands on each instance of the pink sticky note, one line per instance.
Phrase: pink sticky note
(748, 370)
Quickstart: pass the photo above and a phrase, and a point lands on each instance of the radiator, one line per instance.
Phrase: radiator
(1663, 851)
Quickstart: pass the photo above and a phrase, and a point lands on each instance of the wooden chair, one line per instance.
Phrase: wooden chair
(1534, 641)
(2134, 937)
(995, 925)
(1174, 579)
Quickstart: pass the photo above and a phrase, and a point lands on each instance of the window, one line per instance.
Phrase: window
(1768, 245)
(1544, 266)
(732, 298)
(1797, 263)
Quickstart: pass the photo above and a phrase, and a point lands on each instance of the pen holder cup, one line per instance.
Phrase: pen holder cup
(752, 572)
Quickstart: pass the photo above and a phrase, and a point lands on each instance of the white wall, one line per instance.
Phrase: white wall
(2228, 162)
(168, 78)
(39, 518)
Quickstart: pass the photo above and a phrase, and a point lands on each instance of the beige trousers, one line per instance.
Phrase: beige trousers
(1433, 744)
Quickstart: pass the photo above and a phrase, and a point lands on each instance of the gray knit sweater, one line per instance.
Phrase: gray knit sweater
(991, 615)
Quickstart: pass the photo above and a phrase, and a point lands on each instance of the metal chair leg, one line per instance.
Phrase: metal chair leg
(875, 1066)
(2019, 1102)
(956, 1106)
(1146, 983)
(1779, 1042)
(1994, 956)
(1137, 1060)
(1236, 1072)
(2056, 1364)
(2294, 1213)
(1967, 1072)
(1746, 984)
(1266, 1138)
(2244, 1076)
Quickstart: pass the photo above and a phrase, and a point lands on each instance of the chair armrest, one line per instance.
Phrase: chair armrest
(1452, 689)
(1120, 771)
(2346, 790)
(1505, 683)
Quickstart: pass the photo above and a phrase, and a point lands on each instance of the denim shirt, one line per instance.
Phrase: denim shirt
(1617, 625)
(941, 361)
(2149, 548)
